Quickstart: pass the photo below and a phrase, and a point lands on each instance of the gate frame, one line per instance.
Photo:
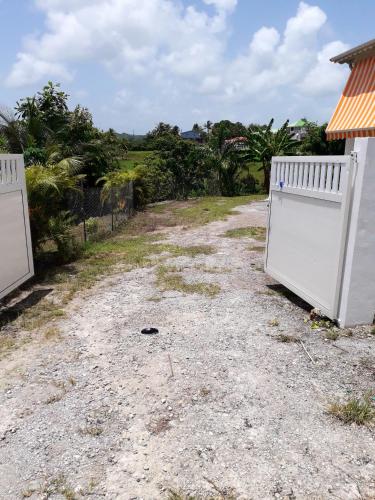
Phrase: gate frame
(346, 196)
(15, 181)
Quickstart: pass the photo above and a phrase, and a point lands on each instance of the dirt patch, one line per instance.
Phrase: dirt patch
(221, 401)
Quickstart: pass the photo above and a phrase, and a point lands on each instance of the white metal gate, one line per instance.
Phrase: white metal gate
(307, 228)
(16, 260)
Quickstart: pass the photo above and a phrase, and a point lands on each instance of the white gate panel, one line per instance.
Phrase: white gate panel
(16, 262)
(309, 206)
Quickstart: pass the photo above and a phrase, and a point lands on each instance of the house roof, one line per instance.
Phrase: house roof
(358, 53)
(299, 123)
(236, 139)
(191, 135)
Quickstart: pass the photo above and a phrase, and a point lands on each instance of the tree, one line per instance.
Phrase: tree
(186, 162)
(315, 142)
(264, 143)
(231, 129)
(225, 160)
(163, 129)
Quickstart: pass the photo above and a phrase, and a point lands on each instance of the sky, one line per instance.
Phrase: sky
(135, 63)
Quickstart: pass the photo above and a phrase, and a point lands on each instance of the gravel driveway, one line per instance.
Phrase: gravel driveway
(214, 405)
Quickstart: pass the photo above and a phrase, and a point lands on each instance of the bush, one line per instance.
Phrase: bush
(92, 226)
(46, 188)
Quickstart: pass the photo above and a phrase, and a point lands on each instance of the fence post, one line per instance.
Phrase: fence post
(83, 213)
(112, 221)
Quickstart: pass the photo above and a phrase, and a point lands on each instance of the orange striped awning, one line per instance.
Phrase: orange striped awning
(355, 113)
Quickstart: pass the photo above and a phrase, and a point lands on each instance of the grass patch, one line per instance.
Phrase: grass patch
(211, 208)
(51, 488)
(357, 410)
(159, 425)
(169, 278)
(212, 269)
(332, 335)
(256, 233)
(256, 248)
(134, 158)
(6, 343)
(91, 430)
(274, 322)
(52, 333)
(55, 398)
(286, 339)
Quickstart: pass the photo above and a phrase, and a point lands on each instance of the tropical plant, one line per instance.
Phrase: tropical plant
(225, 160)
(47, 186)
(264, 143)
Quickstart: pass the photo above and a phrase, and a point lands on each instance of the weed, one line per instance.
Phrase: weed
(372, 331)
(367, 362)
(256, 233)
(159, 425)
(91, 430)
(6, 343)
(205, 391)
(154, 299)
(52, 487)
(55, 398)
(356, 410)
(286, 338)
(212, 269)
(65, 385)
(52, 333)
(256, 248)
(274, 322)
(332, 335)
(169, 279)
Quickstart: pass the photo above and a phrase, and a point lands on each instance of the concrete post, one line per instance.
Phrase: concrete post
(357, 304)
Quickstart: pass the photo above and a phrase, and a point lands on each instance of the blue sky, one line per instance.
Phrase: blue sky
(136, 62)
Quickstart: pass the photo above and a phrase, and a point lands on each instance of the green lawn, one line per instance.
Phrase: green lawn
(255, 172)
(133, 158)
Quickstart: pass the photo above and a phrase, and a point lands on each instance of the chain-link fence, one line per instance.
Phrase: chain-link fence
(97, 215)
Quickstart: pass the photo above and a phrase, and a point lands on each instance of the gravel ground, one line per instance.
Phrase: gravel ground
(214, 405)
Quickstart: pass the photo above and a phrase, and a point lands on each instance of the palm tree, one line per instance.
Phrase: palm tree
(208, 127)
(264, 143)
(226, 161)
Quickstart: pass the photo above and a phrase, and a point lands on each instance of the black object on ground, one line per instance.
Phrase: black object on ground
(149, 331)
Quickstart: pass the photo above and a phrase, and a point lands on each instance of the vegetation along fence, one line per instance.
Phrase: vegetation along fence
(99, 212)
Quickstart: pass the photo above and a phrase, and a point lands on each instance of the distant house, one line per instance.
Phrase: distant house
(192, 135)
(298, 129)
(238, 143)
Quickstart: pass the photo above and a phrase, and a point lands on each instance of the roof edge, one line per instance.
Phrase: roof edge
(364, 50)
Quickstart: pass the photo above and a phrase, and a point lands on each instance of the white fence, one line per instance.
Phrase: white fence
(16, 260)
(307, 227)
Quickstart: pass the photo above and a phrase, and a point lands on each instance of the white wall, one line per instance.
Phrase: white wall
(358, 288)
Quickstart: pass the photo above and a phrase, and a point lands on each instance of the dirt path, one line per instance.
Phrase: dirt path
(99, 413)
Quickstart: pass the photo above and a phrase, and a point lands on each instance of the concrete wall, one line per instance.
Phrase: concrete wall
(357, 304)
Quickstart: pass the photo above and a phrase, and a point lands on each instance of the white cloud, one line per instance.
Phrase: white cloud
(324, 77)
(227, 5)
(172, 58)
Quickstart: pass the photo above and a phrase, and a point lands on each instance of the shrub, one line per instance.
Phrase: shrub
(46, 188)
(92, 226)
